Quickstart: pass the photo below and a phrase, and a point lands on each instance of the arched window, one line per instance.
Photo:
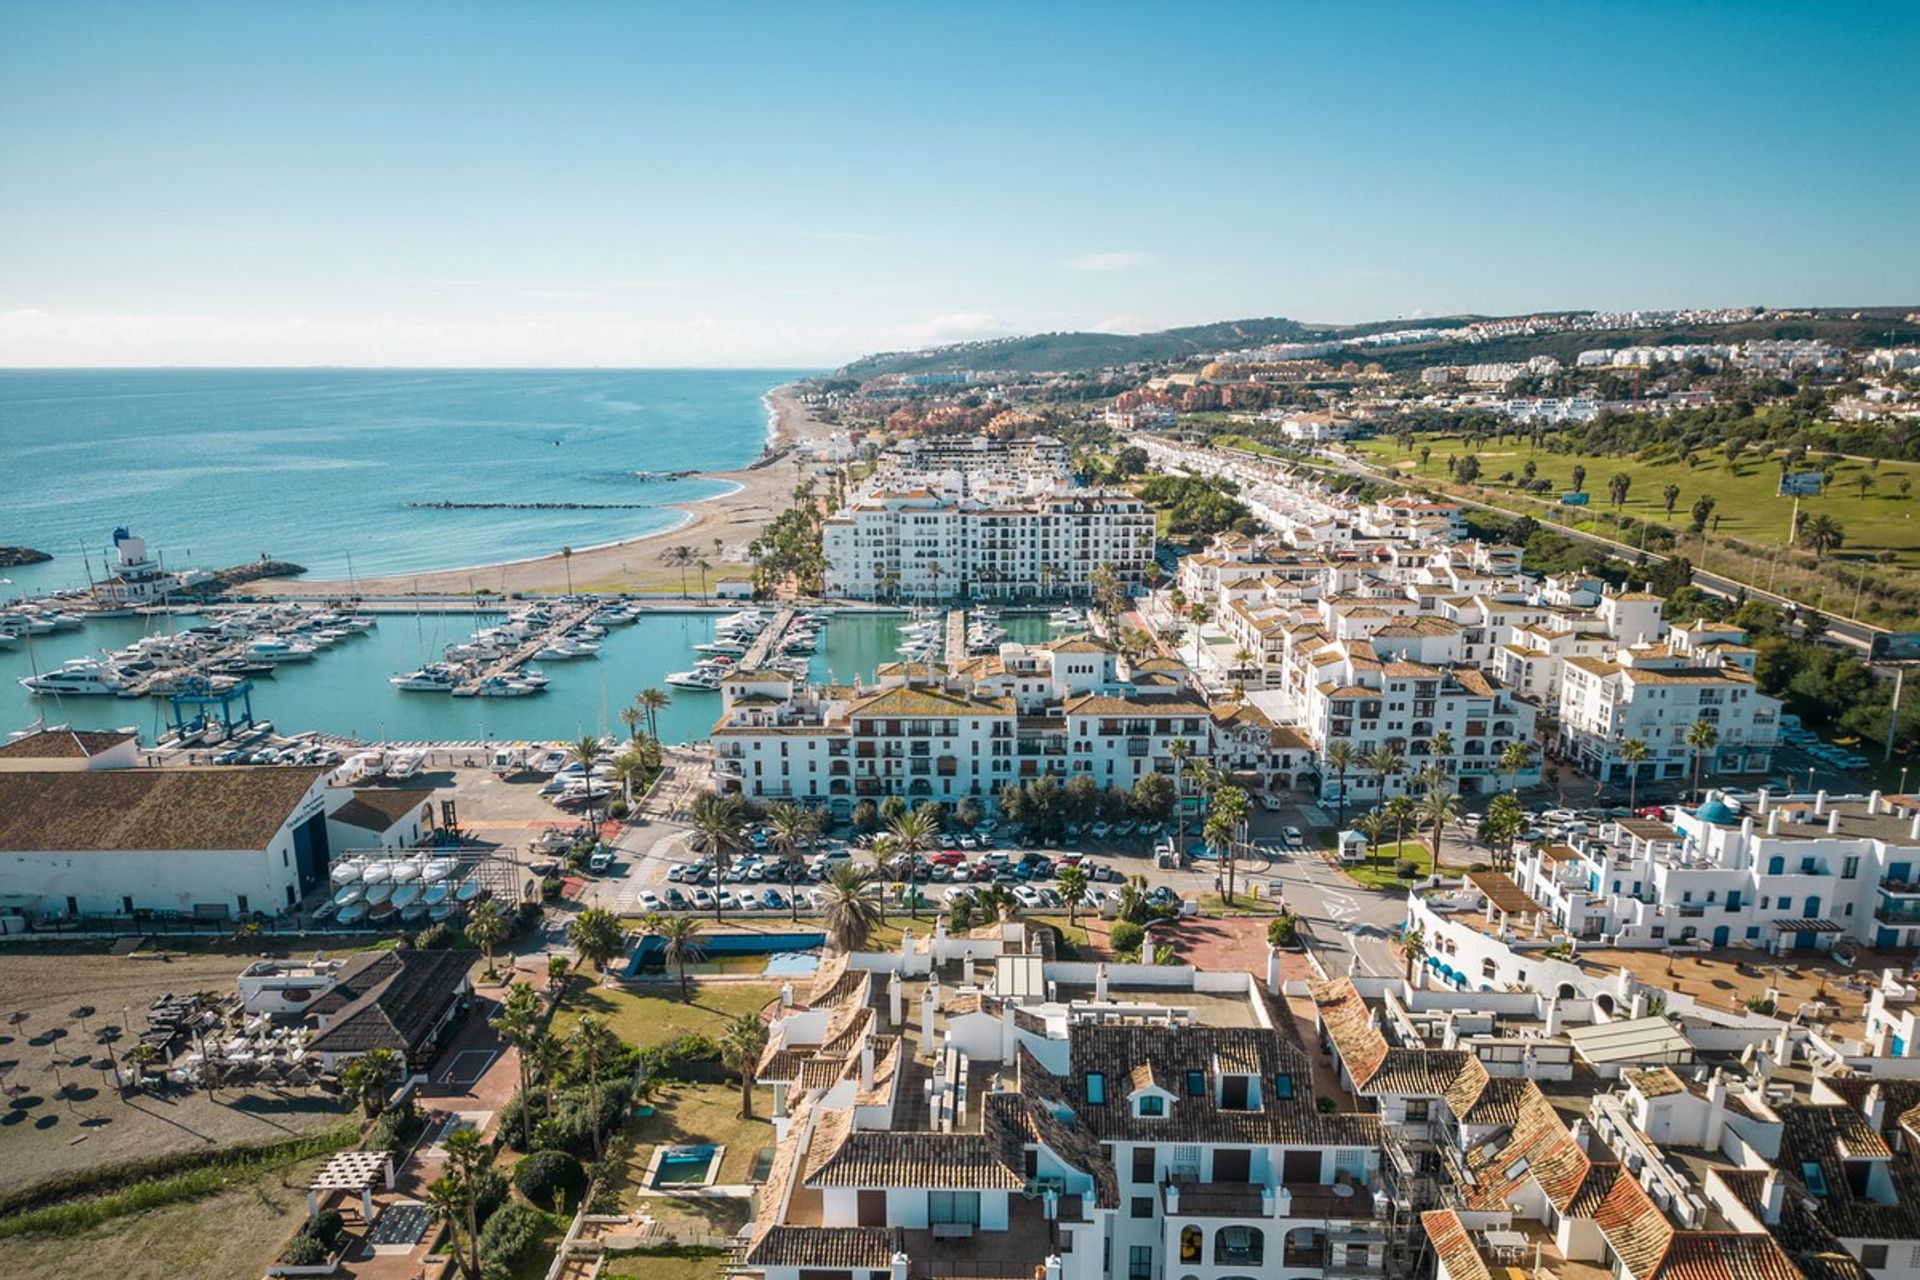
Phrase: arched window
(1776, 865)
(1239, 1244)
(1192, 1242)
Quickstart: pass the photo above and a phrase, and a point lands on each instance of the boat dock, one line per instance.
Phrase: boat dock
(956, 638)
(767, 642)
(511, 663)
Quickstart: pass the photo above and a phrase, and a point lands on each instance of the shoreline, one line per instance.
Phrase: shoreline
(716, 529)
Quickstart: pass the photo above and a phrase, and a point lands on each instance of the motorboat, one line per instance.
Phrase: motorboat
(349, 894)
(377, 894)
(405, 764)
(377, 872)
(1067, 617)
(85, 677)
(404, 894)
(352, 913)
(346, 872)
(467, 892)
(434, 870)
(563, 648)
(435, 677)
(732, 647)
(506, 687)
(275, 649)
(698, 678)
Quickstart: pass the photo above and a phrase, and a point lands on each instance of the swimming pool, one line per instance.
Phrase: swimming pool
(683, 1166)
(783, 947)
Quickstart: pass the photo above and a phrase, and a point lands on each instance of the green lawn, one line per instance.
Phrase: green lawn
(666, 1265)
(1379, 871)
(651, 1015)
(1745, 500)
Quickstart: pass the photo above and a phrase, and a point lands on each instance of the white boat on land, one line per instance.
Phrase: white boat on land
(436, 869)
(377, 872)
(404, 894)
(347, 872)
(377, 894)
(405, 870)
(434, 894)
(405, 764)
(349, 894)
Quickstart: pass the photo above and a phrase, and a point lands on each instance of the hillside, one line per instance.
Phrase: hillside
(1078, 352)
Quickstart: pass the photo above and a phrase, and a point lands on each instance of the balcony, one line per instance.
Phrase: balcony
(1891, 912)
(1900, 888)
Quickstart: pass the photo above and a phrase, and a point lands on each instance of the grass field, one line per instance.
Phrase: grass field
(1744, 499)
(237, 1232)
(654, 1014)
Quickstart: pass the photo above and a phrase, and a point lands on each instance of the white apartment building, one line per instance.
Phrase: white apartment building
(1655, 693)
(971, 1107)
(1065, 709)
(919, 544)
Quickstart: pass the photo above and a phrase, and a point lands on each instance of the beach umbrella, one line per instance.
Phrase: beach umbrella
(81, 1015)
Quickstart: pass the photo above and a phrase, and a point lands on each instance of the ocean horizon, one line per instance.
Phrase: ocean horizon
(319, 466)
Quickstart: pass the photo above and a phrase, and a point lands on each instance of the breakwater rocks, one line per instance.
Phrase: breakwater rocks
(11, 557)
(241, 574)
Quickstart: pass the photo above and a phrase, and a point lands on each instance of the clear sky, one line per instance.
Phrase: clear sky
(474, 183)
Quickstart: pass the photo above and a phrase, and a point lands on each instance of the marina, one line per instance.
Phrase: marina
(380, 685)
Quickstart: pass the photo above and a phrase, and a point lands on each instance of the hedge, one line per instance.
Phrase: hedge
(545, 1176)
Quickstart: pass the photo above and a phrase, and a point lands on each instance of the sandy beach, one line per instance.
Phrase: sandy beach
(717, 529)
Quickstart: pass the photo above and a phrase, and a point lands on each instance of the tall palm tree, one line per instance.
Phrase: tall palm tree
(545, 1054)
(850, 915)
(913, 833)
(518, 1022)
(1073, 887)
(1516, 757)
(632, 717)
(1633, 754)
(586, 752)
(740, 1048)
(1386, 762)
(791, 825)
(1228, 810)
(1372, 824)
(1414, 943)
(1341, 755)
(466, 1157)
(487, 930)
(680, 556)
(1181, 751)
(1703, 737)
(680, 945)
(705, 568)
(596, 934)
(1439, 807)
(592, 1045)
(1440, 747)
(653, 702)
(448, 1200)
(718, 822)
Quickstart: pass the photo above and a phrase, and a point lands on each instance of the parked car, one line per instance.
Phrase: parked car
(649, 900)
(1293, 838)
(677, 901)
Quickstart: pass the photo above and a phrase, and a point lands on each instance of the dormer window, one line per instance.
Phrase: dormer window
(1196, 1084)
(1151, 1105)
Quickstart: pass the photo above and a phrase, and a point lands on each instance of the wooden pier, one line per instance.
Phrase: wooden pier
(767, 643)
(956, 638)
(571, 621)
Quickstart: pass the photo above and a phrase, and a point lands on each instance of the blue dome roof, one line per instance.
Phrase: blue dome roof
(1715, 810)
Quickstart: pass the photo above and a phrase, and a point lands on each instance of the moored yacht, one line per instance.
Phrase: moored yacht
(435, 677)
(82, 677)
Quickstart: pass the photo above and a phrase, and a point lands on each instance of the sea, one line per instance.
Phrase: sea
(323, 467)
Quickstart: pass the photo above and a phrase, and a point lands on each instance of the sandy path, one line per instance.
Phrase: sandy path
(718, 531)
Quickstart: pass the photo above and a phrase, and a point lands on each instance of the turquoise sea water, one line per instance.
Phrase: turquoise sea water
(344, 688)
(213, 467)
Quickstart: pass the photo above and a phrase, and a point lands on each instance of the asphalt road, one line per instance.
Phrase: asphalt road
(1350, 927)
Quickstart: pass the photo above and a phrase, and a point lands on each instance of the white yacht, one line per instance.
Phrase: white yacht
(435, 677)
(274, 649)
(505, 687)
(82, 677)
(562, 648)
(698, 678)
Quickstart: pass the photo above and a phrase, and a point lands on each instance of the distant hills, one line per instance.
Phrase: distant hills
(1079, 352)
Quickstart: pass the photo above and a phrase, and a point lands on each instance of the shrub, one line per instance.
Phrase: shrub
(618, 810)
(546, 1176)
(1283, 931)
(490, 1192)
(1407, 869)
(675, 1059)
(396, 1129)
(1125, 936)
(509, 1235)
(304, 1251)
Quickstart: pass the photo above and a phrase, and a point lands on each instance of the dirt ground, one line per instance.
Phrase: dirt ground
(238, 1232)
(41, 1041)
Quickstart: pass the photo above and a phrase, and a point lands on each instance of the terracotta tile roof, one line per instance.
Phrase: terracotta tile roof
(62, 743)
(1726, 1255)
(391, 1000)
(1347, 1022)
(1102, 704)
(922, 701)
(873, 1159)
(1634, 1226)
(1454, 1245)
(1656, 1082)
(1594, 1190)
(158, 810)
(848, 1248)
(1539, 1147)
(1828, 1136)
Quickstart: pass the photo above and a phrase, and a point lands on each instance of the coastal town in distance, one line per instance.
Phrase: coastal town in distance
(959, 642)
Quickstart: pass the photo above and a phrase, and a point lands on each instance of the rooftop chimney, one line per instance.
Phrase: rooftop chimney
(1873, 804)
(1553, 1017)
(1766, 801)
(1833, 823)
(1638, 1009)
(786, 995)
(1773, 1197)
(1716, 1109)
(1773, 823)
(1100, 984)
(896, 1014)
(1875, 1107)
(1913, 831)
(866, 1062)
(1819, 803)
(1273, 970)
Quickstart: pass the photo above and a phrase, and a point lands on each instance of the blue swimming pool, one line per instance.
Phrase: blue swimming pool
(650, 954)
(680, 1166)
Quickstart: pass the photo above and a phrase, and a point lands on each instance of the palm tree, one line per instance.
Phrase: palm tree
(653, 702)
(558, 968)
(1439, 808)
(1386, 762)
(1400, 811)
(1182, 751)
(566, 558)
(586, 752)
(518, 1022)
(913, 832)
(592, 1044)
(717, 821)
(369, 1079)
(1822, 533)
(466, 1156)
(1073, 887)
(881, 850)
(1414, 943)
(544, 1054)
(632, 717)
(705, 568)
(681, 556)
(740, 1048)
(632, 766)
(850, 915)
(487, 930)
(1440, 746)
(791, 825)
(596, 934)
(1372, 824)
(680, 945)
(1227, 812)
(140, 1057)
(1703, 737)
(448, 1201)
(1633, 754)
(1516, 757)
(1340, 757)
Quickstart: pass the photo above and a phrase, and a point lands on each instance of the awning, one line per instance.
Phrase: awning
(1806, 926)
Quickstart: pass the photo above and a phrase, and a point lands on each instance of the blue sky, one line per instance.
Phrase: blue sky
(570, 183)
